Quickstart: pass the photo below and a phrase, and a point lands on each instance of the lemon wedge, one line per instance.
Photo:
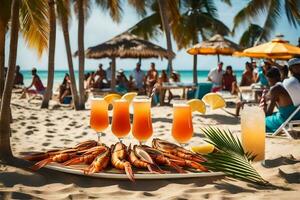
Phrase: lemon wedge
(129, 96)
(203, 149)
(197, 105)
(214, 100)
(111, 97)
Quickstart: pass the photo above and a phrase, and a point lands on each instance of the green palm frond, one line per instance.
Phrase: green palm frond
(139, 5)
(230, 157)
(113, 6)
(251, 35)
(292, 10)
(34, 24)
(148, 28)
(63, 10)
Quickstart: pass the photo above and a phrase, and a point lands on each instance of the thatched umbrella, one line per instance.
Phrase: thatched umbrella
(217, 45)
(126, 45)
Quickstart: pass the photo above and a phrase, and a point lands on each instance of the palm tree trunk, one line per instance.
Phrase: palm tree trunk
(65, 28)
(113, 73)
(2, 55)
(51, 55)
(81, 53)
(195, 75)
(166, 27)
(5, 149)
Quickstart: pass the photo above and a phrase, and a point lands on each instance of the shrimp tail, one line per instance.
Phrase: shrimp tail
(41, 164)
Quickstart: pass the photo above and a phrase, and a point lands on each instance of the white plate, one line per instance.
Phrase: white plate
(140, 175)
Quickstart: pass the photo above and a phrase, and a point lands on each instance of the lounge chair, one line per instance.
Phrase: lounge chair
(202, 89)
(288, 124)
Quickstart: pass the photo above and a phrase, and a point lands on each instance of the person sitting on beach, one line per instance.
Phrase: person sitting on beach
(37, 83)
(64, 88)
(139, 78)
(101, 72)
(228, 79)
(131, 84)
(284, 95)
(122, 81)
(284, 72)
(19, 80)
(151, 78)
(262, 73)
(215, 76)
(175, 77)
(247, 77)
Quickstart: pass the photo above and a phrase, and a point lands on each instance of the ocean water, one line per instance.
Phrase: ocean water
(186, 76)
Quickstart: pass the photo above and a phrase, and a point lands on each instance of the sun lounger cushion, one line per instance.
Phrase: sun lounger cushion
(202, 89)
(274, 121)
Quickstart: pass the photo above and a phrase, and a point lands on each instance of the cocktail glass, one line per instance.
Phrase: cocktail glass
(182, 128)
(253, 131)
(142, 123)
(121, 118)
(99, 116)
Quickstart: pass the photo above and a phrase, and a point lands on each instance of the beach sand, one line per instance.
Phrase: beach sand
(40, 130)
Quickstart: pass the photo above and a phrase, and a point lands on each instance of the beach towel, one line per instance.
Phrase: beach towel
(274, 121)
(292, 86)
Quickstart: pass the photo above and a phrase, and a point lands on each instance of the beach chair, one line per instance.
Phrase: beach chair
(288, 124)
(202, 89)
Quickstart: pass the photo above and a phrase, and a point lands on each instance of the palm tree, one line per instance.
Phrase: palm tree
(31, 17)
(4, 19)
(82, 9)
(273, 11)
(6, 153)
(251, 36)
(198, 18)
(63, 13)
(51, 51)
(165, 12)
(164, 6)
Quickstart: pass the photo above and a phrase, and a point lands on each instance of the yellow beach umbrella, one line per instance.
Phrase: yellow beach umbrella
(276, 49)
(262, 56)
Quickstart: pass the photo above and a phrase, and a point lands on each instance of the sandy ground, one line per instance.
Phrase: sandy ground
(40, 130)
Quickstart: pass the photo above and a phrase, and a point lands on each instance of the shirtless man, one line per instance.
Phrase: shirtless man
(152, 76)
(280, 96)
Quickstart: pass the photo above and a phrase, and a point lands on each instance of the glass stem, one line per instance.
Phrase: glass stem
(120, 140)
(99, 137)
(141, 143)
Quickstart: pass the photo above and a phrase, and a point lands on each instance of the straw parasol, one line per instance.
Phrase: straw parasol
(126, 45)
(276, 49)
(217, 45)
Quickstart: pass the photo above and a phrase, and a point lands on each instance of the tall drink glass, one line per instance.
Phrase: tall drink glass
(99, 116)
(253, 131)
(121, 118)
(182, 128)
(142, 122)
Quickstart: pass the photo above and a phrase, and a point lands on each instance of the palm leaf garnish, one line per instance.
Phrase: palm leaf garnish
(230, 158)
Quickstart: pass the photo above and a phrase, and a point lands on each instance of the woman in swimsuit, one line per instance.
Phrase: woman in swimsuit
(37, 83)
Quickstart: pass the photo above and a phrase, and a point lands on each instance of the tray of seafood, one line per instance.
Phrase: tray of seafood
(162, 160)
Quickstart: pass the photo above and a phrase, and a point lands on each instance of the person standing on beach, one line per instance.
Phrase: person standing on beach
(229, 79)
(19, 80)
(152, 76)
(139, 78)
(215, 76)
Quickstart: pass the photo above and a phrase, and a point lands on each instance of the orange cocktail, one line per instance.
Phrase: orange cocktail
(182, 129)
(142, 122)
(99, 115)
(120, 120)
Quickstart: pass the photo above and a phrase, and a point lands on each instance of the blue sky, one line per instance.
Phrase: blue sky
(100, 28)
